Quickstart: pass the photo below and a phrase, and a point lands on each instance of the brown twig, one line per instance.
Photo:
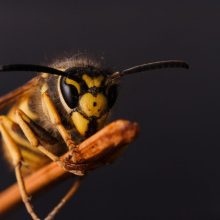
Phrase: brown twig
(97, 150)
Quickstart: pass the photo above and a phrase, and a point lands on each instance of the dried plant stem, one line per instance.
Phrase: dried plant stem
(93, 150)
(34, 182)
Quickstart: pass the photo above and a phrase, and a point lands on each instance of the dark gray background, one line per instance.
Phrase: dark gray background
(172, 171)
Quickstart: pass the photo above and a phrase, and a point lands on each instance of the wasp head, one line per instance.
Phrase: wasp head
(88, 97)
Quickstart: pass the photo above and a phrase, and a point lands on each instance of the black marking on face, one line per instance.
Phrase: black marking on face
(69, 92)
(112, 95)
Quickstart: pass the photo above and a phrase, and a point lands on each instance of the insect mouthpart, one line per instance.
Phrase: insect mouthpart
(91, 113)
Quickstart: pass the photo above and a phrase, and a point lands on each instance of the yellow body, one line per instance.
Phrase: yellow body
(32, 157)
(55, 111)
(90, 106)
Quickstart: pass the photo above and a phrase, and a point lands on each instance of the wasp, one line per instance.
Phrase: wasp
(64, 104)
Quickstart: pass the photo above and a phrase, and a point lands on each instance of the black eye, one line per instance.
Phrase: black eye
(69, 92)
(112, 95)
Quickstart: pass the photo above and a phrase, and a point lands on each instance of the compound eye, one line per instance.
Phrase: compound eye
(112, 95)
(70, 90)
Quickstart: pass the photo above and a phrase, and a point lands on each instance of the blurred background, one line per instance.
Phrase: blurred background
(172, 171)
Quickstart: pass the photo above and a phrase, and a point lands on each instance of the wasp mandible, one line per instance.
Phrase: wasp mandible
(64, 104)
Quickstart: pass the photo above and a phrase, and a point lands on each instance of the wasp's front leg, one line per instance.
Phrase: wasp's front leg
(29, 129)
(15, 154)
(25, 124)
(55, 119)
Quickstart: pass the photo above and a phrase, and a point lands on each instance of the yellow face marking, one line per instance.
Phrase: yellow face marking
(93, 105)
(92, 81)
(73, 83)
(80, 123)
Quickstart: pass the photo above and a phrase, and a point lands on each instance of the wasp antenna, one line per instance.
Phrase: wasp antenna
(32, 68)
(152, 66)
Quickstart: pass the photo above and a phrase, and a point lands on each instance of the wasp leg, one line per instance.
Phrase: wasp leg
(25, 124)
(23, 121)
(17, 163)
(56, 120)
(16, 156)
(65, 199)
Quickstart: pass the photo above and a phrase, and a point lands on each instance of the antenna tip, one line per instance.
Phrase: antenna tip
(185, 65)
